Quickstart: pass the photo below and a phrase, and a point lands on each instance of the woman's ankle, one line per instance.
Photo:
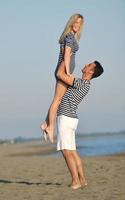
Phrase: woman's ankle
(50, 129)
(50, 134)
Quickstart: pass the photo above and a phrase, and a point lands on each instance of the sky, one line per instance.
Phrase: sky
(29, 51)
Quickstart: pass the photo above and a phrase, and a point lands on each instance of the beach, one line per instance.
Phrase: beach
(28, 171)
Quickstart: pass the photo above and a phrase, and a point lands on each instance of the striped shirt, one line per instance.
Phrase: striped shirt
(72, 98)
(70, 41)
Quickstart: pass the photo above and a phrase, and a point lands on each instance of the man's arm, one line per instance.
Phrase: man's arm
(61, 74)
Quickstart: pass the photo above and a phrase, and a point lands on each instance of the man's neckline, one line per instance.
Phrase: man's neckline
(82, 79)
(86, 80)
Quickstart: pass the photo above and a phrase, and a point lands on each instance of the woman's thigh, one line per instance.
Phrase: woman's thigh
(60, 90)
(60, 68)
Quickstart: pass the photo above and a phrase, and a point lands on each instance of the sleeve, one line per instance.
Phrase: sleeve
(69, 40)
(76, 83)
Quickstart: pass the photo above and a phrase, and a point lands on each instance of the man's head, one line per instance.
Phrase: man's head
(92, 70)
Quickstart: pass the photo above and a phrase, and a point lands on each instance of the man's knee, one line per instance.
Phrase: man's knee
(67, 152)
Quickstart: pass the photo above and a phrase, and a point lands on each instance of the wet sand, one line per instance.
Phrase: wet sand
(28, 172)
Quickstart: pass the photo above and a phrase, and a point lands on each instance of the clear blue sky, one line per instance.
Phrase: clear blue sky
(28, 56)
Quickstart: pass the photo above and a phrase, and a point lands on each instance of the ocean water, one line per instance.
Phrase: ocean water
(100, 144)
(103, 144)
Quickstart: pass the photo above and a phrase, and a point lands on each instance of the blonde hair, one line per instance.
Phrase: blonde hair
(68, 27)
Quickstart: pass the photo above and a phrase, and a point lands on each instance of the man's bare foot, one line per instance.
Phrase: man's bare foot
(77, 186)
(50, 134)
(43, 126)
(83, 182)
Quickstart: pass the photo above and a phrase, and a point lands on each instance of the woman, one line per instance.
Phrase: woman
(68, 47)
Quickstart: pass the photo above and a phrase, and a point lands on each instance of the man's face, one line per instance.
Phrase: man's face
(89, 68)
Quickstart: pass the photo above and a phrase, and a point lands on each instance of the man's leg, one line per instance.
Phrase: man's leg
(80, 168)
(71, 163)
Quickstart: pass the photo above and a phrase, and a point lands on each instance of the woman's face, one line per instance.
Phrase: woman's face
(76, 25)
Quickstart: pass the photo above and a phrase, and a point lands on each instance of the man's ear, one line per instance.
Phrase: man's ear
(91, 72)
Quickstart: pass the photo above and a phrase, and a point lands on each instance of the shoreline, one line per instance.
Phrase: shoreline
(39, 148)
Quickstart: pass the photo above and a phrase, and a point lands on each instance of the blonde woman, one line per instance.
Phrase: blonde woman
(68, 48)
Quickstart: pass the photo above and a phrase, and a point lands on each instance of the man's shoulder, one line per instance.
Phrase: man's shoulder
(80, 83)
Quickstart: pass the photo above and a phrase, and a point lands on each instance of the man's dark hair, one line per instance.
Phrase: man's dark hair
(98, 70)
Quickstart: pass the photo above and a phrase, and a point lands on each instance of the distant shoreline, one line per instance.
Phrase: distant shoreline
(25, 139)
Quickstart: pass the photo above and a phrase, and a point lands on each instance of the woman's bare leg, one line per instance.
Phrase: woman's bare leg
(71, 163)
(46, 122)
(61, 87)
(80, 168)
(60, 90)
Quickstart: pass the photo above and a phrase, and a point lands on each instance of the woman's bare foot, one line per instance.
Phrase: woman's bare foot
(83, 182)
(50, 134)
(43, 126)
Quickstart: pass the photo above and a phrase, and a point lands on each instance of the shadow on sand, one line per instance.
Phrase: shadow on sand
(27, 182)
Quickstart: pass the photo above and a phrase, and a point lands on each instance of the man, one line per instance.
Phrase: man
(67, 119)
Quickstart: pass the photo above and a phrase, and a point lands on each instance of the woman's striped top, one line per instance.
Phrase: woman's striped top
(70, 41)
(73, 97)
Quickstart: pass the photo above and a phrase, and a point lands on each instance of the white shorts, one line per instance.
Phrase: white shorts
(66, 132)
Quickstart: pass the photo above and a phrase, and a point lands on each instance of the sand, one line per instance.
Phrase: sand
(28, 173)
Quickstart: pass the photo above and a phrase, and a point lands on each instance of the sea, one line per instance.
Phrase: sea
(93, 144)
(99, 144)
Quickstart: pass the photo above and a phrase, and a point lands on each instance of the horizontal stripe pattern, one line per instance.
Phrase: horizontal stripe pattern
(70, 41)
(73, 97)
